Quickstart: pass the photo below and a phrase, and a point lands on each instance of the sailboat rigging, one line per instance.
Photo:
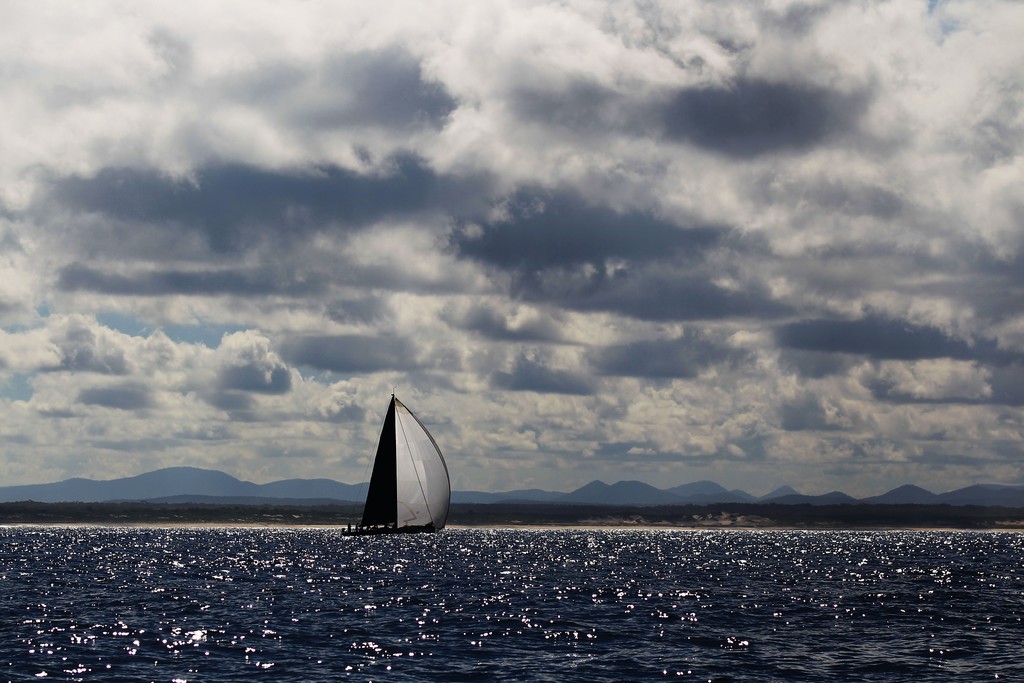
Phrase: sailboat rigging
(410, 490)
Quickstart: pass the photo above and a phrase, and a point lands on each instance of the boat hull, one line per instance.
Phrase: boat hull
(387, 530)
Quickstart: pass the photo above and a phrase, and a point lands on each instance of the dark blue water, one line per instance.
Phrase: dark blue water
(477, 605)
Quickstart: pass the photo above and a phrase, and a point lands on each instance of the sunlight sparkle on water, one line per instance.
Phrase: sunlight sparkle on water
(231, 604)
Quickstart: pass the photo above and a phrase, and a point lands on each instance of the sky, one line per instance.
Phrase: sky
(760, 243)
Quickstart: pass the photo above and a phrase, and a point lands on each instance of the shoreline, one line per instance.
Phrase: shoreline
(592, 517)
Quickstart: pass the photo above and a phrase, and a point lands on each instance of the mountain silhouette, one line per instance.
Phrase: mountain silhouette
(985, 494)
(188, 484)
(904, 495)
(621, 493)
(193, 484)
(697, 488)
(779, 493)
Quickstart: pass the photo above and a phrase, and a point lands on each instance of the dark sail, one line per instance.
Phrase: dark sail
(382, 496)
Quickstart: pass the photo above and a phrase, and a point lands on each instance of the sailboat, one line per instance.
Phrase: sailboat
(409, 491)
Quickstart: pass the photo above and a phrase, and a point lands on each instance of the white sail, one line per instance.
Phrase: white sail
(424, 490)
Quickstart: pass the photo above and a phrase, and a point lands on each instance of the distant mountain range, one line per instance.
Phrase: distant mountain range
(182, 484)
(191, 484)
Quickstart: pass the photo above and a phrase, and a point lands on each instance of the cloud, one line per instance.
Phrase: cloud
(682, 358)
(520, 324)
(249, 364)
(256, 379)
(539, 231)
(237, 404)
(73, 343)
(561, 250)
(350, 352)
(234, 205)
(538, 375)
(581, 106)
(360, 310)
(248, 282)
(753, 117)
(883, 338)
(947, 382)
(16, 277)
(710, 240)
(122, 397)
(375, 88)
(658, 292)
(931, 380)
(1007, 385)
(814, 364)
(811, 413)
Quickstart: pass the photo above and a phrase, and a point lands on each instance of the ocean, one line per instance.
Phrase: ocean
(246, 604)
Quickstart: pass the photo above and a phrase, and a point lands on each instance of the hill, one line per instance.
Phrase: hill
(903, 495)
(620, 493)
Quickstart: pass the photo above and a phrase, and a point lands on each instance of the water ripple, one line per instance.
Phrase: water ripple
(519, 605)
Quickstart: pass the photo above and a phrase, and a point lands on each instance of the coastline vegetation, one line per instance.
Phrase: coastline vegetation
(723, 515)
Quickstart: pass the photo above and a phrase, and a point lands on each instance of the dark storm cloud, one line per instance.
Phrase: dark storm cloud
(247, 282)
(654, 293)
(383, 88)
(535, 375)
(558, 247)
(490, 323)
(1007, 384)
(256, 378)
(744, 119)
(884, 390)
(632, 450)
(806, 414)
(358, 310)
(234, 205)
(884, 339)
(127, 397)
(753, 117)
(965, 273)
(995, 287)
(680, 358)
(547, 230)
(234, 402)
(350, 353)
(814, 364)
(581, 106)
